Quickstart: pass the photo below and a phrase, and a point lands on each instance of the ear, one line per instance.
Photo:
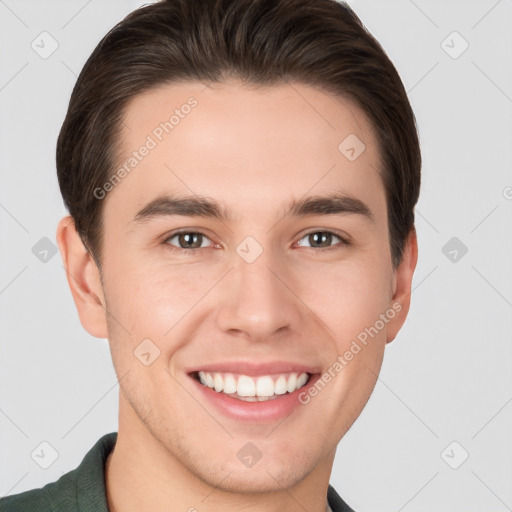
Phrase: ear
(402, 286)
(83, 279)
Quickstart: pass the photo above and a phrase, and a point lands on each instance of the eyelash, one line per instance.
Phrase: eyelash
(181, 250)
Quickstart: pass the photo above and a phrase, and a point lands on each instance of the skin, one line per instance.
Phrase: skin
(252, 149)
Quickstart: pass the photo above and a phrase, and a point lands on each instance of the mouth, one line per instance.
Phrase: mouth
(252, 388)
(254, 392)
(254, 396)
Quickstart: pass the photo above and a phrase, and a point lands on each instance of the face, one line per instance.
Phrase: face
(246, 248)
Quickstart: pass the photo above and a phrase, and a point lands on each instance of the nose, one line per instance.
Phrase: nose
(258, 300)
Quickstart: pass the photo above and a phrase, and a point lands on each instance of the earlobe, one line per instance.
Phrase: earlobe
(403, 280)
(83, 278)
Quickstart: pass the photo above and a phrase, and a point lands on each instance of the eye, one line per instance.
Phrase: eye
(187, 241)
(322, 240)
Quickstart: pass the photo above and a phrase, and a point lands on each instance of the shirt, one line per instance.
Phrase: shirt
(83, 488)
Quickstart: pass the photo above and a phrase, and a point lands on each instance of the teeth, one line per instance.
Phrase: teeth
(264, 386)
(280, 386)
(303, 378)
(209, 380)
(246, 386)
(218, 383)
(292, 383)
(253, 389)
(229, 384)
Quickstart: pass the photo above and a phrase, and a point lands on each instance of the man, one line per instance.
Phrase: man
(241, 179)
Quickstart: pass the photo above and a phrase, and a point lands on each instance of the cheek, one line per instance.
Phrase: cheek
(152, 299)
(348, 296)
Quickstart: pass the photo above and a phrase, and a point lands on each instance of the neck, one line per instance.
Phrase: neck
(141, 474)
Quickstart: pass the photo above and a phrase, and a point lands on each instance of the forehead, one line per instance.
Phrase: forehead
(251, 148)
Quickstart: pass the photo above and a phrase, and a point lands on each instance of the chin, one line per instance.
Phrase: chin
(266, 479)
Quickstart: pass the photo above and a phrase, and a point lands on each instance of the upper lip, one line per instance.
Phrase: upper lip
(252, 368)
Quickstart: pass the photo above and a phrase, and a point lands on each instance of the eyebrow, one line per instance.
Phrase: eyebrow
(200, 206)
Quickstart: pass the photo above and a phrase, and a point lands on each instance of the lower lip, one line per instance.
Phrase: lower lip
(255, 412)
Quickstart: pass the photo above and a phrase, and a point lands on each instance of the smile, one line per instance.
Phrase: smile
(253, 392)
(255, 388)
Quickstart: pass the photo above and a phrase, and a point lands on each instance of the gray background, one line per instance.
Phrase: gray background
(446, 378)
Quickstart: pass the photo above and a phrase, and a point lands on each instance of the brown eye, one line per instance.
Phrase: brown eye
(188, 240)
(322, 240)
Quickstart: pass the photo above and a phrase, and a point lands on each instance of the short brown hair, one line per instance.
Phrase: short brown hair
(321, 43)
